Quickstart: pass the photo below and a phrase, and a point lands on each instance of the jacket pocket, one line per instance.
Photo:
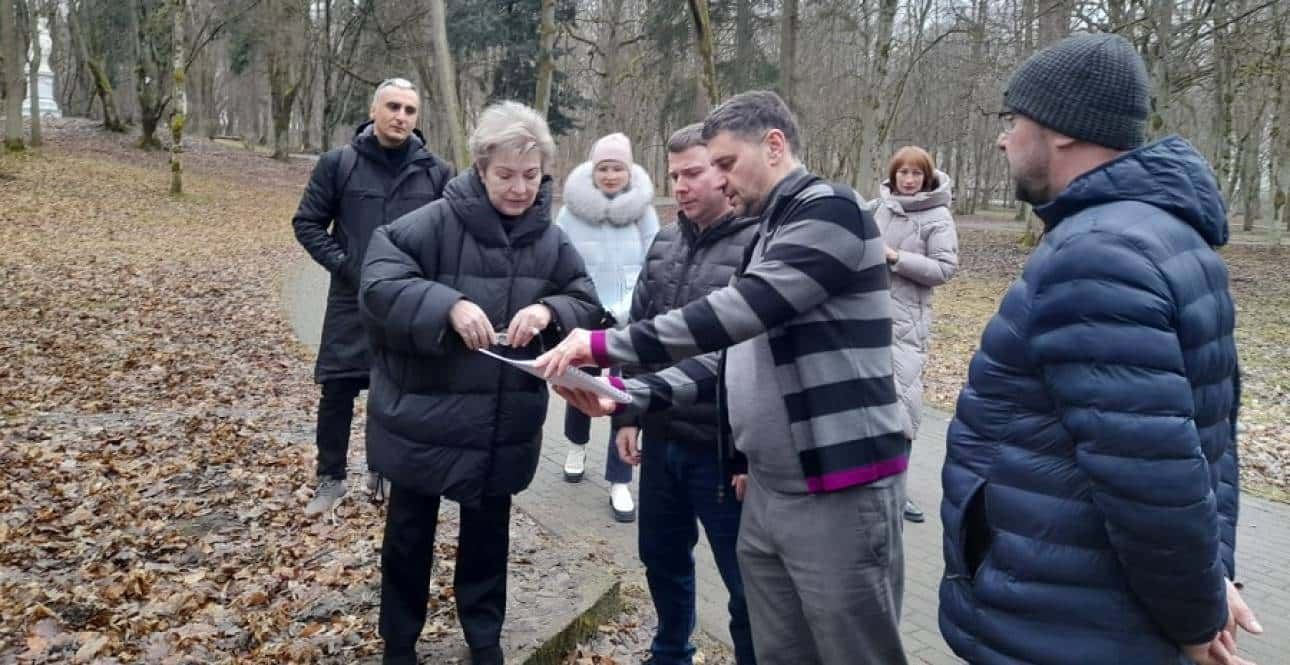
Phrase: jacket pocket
(964, 549)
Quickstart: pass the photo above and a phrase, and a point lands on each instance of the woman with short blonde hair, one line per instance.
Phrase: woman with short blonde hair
(481, 269)
(511, 126)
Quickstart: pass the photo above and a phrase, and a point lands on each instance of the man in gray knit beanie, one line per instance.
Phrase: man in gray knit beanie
(1090, 90)
(1090, 479)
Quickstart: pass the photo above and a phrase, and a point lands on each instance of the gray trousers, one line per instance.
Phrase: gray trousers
(824, 574)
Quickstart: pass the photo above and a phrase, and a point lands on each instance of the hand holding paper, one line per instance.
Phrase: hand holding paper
(574, 351)
(588, 402)
(571, 378)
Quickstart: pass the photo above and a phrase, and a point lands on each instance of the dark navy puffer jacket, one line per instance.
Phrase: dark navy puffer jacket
(1091, 474)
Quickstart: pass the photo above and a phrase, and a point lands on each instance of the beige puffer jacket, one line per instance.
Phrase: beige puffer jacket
(921, 228)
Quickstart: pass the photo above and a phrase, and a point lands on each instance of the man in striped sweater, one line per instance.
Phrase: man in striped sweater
(798, 353)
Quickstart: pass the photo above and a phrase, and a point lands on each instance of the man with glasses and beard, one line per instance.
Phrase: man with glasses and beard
(1091, 478)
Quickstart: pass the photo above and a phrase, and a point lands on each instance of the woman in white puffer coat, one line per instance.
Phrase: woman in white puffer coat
(913, 213)
(609, 215)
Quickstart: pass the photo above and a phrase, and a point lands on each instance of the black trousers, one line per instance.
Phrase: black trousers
(480, 579)
(335, 416)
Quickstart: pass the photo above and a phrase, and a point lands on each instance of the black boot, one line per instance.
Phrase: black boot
(487, 656)
(392, 656)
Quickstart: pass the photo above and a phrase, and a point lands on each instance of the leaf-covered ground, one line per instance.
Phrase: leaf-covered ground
(156, 421)
(991, 260)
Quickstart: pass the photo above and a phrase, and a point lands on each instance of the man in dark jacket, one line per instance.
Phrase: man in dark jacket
(384, 173)
(1091, 478)
(683, 478)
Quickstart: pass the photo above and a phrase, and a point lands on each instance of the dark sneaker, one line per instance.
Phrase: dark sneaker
(328, 492)
(378, 487)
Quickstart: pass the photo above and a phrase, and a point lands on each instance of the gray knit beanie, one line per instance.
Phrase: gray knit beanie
(1089, 87)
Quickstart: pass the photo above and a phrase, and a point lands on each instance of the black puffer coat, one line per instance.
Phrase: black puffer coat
(375, 194)
(682, 265)
(442, 419)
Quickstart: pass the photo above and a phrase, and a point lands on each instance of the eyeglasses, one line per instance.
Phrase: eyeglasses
(1009, 120)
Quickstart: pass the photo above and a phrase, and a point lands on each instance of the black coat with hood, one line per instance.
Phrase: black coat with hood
(443, 420)
(334, 227)
(682, 265)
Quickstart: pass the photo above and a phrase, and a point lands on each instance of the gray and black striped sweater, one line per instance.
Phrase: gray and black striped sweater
(815, 289)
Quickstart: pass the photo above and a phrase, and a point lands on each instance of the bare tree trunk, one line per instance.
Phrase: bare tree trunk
(608, 112)
(1163, 13)
(12, 76)
(33, 73)
(179, 109)
(873, 110)
(546, 58)
(1117, 12)
(976, 120)
(1221, 157)
(307, 102)
(96, 65)
(1280, 133)
(1054, 20)
(788, 51)
(1030, 237)
(329, 119)
(1250, 177)
(705, 42)
(742, 79)
(282, 99)
(446, 78)
(148, 82)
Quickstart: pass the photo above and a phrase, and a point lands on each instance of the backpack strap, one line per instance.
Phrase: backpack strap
(348, 158)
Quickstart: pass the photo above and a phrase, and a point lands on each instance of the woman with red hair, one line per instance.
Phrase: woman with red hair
(913, 213)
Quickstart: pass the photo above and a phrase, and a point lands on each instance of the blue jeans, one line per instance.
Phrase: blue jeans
(679, 489)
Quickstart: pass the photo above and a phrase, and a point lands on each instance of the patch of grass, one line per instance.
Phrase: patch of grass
(991, 260)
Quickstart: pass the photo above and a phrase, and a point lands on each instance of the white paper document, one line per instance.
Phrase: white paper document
(572, 378)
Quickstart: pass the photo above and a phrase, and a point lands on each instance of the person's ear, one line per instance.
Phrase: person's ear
(1059, 142)
(776, 146)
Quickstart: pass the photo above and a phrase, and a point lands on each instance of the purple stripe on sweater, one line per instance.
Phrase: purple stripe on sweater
(840, 480)
(600, 349)
(618, 383)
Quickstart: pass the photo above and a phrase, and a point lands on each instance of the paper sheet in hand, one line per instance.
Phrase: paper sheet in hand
(572, 378)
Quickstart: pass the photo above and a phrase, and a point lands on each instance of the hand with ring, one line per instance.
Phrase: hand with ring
(528, 324)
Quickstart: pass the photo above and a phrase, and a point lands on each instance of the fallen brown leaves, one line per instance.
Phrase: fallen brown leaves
(625, 639)
(155, 420)
(991, 260)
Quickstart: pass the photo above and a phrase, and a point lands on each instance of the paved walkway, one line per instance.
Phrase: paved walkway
(582, 511)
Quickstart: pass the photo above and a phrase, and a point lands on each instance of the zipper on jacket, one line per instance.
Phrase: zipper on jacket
(510, 285)
(721, 448)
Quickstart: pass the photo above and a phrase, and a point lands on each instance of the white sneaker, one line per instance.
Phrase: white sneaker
(575, 464)
(620, 499)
